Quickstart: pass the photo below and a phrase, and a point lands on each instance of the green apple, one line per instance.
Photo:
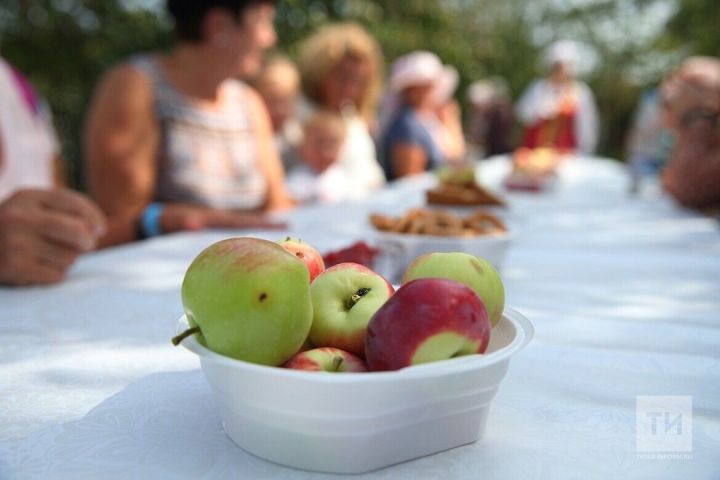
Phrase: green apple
(475, 272)
(344, 298)
(249, 299)
(463, 174)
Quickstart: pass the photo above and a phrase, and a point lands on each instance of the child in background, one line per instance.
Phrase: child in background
(317, 175)
(278, 83)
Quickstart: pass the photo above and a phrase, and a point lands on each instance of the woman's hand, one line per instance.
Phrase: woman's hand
(42, 232)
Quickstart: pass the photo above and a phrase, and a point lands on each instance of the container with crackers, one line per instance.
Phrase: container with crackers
(403, 238)
(458, 190)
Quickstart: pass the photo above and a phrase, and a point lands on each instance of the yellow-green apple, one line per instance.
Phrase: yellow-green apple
(475, 272)
(344, 298)
(426, 320)
(327, 359)
(249, 299)
(463, 174)
(307, 253)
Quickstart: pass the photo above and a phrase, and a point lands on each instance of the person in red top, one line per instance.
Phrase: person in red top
(559, 111)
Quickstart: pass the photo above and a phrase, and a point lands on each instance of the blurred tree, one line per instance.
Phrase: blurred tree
(63, 46)
(695, 27)
(619, 39)
(479, 37)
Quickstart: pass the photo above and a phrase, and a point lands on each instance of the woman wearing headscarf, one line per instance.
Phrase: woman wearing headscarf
(559, 111)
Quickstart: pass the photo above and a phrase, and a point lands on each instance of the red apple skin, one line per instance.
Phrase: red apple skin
(322, 360)
(419, 310)
(307, 253)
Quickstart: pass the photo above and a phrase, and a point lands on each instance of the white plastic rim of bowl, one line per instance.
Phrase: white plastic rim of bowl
(373, 420)
(524, 332)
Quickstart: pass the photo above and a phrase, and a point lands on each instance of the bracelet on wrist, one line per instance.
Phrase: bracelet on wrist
(149, 225)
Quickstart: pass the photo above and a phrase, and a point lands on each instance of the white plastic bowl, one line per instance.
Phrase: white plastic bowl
(357, 422)
(398, 250)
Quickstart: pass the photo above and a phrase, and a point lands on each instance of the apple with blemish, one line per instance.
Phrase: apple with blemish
(475, 272)
(307, 253)
(327, 359)
(249, 299)
(344, 298)
(426, 320)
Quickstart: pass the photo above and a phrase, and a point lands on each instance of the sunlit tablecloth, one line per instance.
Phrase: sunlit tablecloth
(624, 293)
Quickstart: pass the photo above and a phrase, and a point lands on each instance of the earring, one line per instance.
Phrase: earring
(221, 40)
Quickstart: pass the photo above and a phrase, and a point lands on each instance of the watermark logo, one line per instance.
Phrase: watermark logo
(664, 426)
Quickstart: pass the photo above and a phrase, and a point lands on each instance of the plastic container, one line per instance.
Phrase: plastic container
(398, 250)
(357, 422)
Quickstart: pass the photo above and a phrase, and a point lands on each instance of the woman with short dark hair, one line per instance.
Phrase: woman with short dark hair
(175, 142)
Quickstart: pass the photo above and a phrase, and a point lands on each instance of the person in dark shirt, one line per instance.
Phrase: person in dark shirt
(407, 144)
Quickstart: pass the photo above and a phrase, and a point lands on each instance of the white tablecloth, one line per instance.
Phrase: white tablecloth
(624, 293)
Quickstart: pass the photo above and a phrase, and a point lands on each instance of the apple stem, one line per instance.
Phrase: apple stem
(357, 296)
(337, 363)
(179, 338)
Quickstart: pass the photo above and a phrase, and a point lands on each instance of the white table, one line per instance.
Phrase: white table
(624, 294)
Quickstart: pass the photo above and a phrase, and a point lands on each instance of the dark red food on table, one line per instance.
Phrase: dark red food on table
(358, 252)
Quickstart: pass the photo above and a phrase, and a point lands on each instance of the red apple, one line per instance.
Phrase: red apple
(344, 299)
(426, 320)
(307, 253)
(326, 359)
(359, 252)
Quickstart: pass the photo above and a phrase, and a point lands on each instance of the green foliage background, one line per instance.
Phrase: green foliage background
(63, 46)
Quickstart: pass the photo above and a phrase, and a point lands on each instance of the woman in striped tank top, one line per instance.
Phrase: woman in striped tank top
(175, 142)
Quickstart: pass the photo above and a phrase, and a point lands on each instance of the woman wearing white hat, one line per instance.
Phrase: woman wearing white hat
(559, 111)
(408, 144)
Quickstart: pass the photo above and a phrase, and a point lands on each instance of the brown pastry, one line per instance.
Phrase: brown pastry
(439, 222)
(463, 195)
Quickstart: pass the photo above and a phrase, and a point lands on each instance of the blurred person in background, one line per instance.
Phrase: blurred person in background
(446, 124)
(408, 146)
(559, 111)
(317, 175)
(649, 142)
(43, 226)
(691, 99)
(174, 142)
(278, 83)
(341, 70)
(491, 117)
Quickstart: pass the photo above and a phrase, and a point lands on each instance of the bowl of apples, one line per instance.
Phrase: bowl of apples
(336, 370)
